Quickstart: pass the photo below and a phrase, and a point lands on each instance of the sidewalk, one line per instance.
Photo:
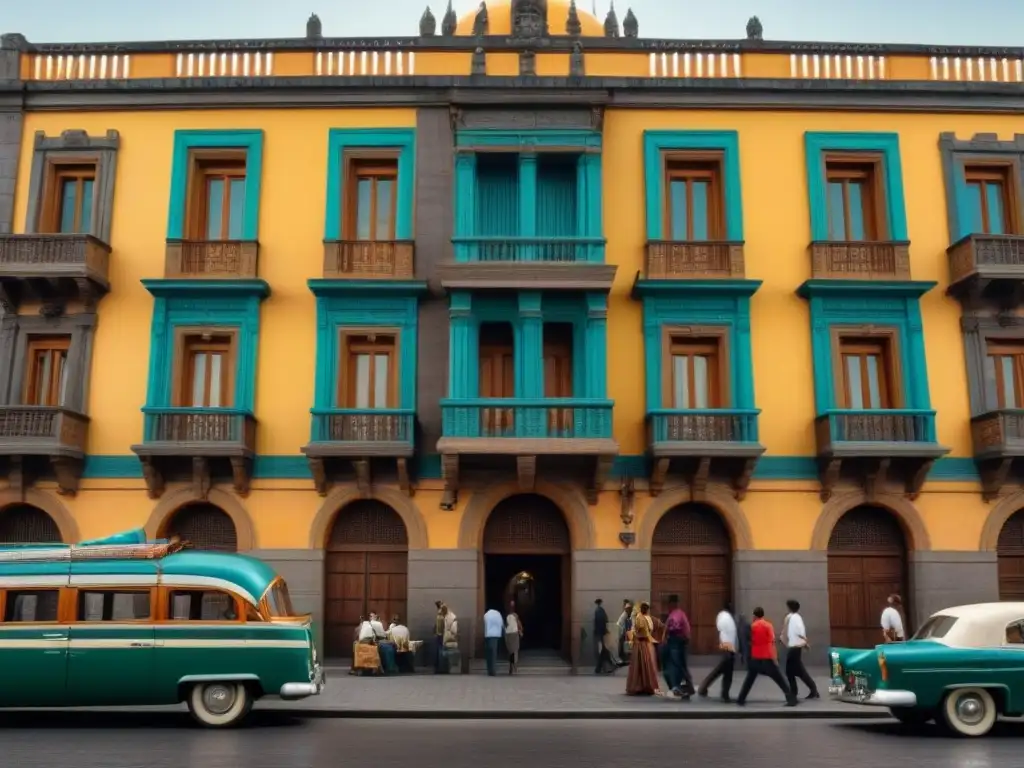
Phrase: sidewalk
(583, 696)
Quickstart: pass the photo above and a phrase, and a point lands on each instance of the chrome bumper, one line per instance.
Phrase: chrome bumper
(880, 698)
(301, 690)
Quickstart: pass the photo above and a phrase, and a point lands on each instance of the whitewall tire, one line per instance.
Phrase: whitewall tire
(219, 704)
(969, 711)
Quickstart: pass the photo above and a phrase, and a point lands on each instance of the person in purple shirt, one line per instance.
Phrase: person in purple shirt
(677, 638)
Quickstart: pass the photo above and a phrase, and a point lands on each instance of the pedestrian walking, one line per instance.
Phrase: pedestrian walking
(604, 659)
(725, 623)
(677, 637)
(643, 667)
(513, 634)
(892, 620)
(624, 625)
(439, 657)
(794, 637)
(494, 629)
(763, 657)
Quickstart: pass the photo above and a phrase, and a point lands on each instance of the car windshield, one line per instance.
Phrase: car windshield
(936, 627)
(278, 600)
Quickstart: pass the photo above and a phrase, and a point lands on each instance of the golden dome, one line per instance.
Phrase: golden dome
(499, 20)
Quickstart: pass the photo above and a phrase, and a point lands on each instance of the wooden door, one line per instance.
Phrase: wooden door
(497, 379)
(558, 379)
(866, 564)
(365, 569)
(1010, 551)
(691, 558)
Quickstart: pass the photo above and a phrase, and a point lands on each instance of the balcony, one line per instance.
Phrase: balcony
(557, 435)
(877, 446)
(696, 260)
(201, 443)
(53, 270)
(858, 260)
(998, 438)
(539, 263)
(701, 444)
(366, 260)
(363, 439)
(211, 259)
(33, 436)
(989, 266)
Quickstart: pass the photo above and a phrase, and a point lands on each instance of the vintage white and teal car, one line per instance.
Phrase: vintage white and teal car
(963, 669)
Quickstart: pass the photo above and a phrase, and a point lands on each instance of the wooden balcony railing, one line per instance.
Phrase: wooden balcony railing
(702, 426)
(212, 259)
(198, 427)
(677, 260)
(853, 260)
(546, 418)
(41, 428)
(558, 250)
(369, 260)
(25, 256)
(363, 425)
(874, 426)
(999, 256)
(998, 433)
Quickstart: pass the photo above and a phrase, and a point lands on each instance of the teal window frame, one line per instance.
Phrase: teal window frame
(657, 143)
(527, 144)
(185, 142)
(340, 140)
(818, 145)
(228, 304)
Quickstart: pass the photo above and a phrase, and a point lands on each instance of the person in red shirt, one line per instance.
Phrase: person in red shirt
(763, 655)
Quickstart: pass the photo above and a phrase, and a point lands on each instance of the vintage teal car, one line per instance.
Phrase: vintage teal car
(963, 669)
(126, 622)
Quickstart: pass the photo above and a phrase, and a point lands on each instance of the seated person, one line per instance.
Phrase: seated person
(371, 630)
(366, 655)
(398, 634)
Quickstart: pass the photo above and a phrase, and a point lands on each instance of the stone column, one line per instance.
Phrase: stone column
(11, 125)
(612, 575)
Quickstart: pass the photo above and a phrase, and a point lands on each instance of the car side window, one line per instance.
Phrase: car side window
(31, 605)
(202, 605)
(1015, 633)
(113, 605)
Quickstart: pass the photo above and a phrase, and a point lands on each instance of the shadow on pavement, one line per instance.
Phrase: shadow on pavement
(42, 720)
(1005, 729)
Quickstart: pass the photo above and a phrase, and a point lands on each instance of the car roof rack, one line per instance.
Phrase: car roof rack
(36, 553)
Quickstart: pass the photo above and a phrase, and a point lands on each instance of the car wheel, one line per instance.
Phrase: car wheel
(910, 715)
(219, 705)
(969, 711)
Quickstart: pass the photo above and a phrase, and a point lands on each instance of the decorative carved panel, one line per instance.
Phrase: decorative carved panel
(527, 524)
(867, 529)
(25, 524)
(205, 526)
(1011, 537)
(368, 523)
(692, 527)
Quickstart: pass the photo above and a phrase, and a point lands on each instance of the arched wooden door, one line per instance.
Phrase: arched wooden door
(527, 556)
(204, 526)
(366, 569)
(1010, 553)
(691, 556)
(25, 524)
(867, 561)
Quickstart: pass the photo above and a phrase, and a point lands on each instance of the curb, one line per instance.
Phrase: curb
(628, 714)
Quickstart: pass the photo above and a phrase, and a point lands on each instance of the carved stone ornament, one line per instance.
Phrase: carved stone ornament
(577, 67)
(428, 24)
(481, 22)
(573, 27)
(527, 63)
(611, 22)
(314, 28)
(630, 26)
(450, 22)
(529, 19)
(478, 64)
(754, 29)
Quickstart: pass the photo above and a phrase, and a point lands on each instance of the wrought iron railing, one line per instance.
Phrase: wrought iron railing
(212, 258)
(200, 425)
(42, 255)
(544, 418)
(558, 250)
(364, 425)
(875, 426)
(369, 260)
(970, 253)
(39, 424)
(860, 260)
(997, 431)
(713, 425)
(678, 260)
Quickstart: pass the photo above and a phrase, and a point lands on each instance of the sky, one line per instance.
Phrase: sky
(936, 22)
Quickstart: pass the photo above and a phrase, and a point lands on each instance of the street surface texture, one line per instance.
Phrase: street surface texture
(89, 740)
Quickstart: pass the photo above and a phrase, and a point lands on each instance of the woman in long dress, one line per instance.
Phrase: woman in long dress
(513, 633)
(643, 666)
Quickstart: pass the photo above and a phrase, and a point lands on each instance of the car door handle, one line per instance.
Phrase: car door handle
(55, 636)
(142, 644)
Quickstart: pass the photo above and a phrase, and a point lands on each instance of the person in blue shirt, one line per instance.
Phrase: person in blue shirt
(494, 630)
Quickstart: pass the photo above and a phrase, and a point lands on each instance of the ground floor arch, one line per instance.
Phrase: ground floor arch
(203, 525)
(527, 560)
(27, 524)
(1010, 557)
(366, 567)
(867, 561)
(691, 557)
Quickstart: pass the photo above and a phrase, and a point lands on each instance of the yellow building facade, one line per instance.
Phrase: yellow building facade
(456, 319)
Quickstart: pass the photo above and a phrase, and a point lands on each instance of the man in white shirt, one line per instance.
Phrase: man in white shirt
(726, 625)
(892, 621)
(494, 630)
(794, 637)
